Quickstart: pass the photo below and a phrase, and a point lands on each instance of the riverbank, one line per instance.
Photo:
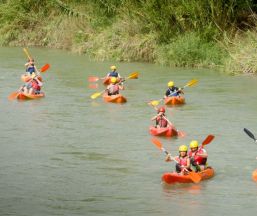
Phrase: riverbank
(192, 34)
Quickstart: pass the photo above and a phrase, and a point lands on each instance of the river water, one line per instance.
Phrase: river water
(69, 155)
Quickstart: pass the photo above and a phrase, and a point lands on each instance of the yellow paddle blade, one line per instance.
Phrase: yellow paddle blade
(192, 82)
(133, 75)
(154, 102)
(95, 95)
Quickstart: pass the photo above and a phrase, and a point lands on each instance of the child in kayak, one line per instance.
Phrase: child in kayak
(33, 86)
(30, 67)
(172, 90)
(114, 88)
(182, 161)
(198, 156)
(161, 119)
(114, 72)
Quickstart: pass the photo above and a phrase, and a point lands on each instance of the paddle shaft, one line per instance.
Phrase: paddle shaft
(250, 134)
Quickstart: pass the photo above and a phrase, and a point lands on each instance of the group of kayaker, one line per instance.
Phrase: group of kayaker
(195, 160)
(33, 82)
(161, 120)
(116, 82)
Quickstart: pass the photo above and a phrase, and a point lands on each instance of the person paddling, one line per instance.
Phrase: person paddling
(113, 72)
(172, 90)
(161, 119)
(114, 88)
(198, 156)
(31, 67)
(182, 161)
(33, 86)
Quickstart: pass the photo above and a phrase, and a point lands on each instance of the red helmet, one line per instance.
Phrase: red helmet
(161, 109)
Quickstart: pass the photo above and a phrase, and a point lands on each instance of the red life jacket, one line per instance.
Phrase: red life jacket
(198, 159)
(35, 85)
(182, 161)
(113, 89)
(161, 121)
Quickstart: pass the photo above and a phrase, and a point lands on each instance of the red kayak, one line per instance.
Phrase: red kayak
(107, 80)
(118, 98)
(167, 131)
(174, 100)
(174, 177)
(254, 175)
(22, 96)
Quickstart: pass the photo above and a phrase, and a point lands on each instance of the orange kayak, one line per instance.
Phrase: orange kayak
(172, 178)
(254, 175)
(26, 78)
(174, 100)
(167, 131)
(23, 96)
(118, 98)
(107, 80)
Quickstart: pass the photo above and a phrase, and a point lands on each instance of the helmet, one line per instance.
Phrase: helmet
(113, 80)
(194, 144)
(33, 75)
(113, 67)
(161, 109)
(183, 148)
(170, 83)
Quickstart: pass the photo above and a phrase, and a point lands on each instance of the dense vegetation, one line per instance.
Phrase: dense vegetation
(171, 32)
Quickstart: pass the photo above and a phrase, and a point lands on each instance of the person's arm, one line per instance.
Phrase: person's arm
(167, 93)
(39, 82)
(154, 118)
(169, 123)
(203, 154)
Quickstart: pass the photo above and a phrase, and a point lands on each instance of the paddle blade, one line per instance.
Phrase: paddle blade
(92, 79)
(208, 139)
(192, 82)
(13, 95)
(195, 177)
(154, 103)
(45, 68)
(96, 95)
(133, 75)
(157, 143)
(93, 86)
(249, 133)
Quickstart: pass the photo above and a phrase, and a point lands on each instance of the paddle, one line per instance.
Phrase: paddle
(133, 75)
(190, 83)
(250, 134)
(195, 177)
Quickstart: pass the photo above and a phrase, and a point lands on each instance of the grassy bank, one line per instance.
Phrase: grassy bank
(195, 33)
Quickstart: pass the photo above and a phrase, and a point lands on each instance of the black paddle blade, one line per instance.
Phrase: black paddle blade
(250, 134)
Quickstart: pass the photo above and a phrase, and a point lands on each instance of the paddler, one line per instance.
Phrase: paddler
(161, 119)
(31, 67)
(182, 161)
(33, 86)
(114, 88)
(113, 72)
(172, 90)
(198, 156)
